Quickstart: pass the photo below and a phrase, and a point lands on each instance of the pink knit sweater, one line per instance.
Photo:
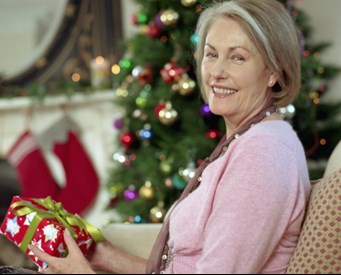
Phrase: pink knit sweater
(246, 215)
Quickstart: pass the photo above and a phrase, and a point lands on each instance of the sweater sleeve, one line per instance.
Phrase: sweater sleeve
(253, 205)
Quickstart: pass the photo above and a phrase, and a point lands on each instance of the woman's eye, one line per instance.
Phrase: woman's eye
(238, 58)
(210, 55)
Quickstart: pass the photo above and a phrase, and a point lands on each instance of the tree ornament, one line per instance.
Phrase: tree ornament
(143, 29)
(189, 172)
(122, 158)
(142, 18)
(158, 108)
(205, 110)
(287, 112)
(178, 182)
(166, 19)
(154, 31)
(130, 194)
(146, 75)
(146, 133)
(169, 183)
(141, 101)
(122, 91)
(157, 213)
(165, 166)
(213, 134)
(127, 139)
(136, 71)
(118, 123)
(194, 39)
(125, 64)
(188, 3)
(170, 72)
(146, 192)
(138, 219)
(168, 115)
(186, 86)
(116, 190)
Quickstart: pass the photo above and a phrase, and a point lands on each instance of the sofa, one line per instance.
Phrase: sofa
(319, 245)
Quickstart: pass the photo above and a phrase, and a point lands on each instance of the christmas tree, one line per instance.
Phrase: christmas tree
(167, 129)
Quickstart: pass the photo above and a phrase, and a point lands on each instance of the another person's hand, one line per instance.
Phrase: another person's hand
(74, 263)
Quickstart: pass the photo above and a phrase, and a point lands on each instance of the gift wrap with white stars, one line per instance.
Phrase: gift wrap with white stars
(41, 222)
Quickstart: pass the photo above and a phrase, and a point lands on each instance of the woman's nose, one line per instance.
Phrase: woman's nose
(219, 70)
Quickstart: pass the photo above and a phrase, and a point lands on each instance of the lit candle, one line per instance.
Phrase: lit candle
(100, 73)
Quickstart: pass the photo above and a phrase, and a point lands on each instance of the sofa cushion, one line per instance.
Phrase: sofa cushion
(135, 239)
(319, 245)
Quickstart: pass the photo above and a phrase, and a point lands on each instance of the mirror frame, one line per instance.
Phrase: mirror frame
(88, 29)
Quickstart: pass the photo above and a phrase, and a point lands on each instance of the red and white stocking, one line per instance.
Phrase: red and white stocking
(36, 159)
(32, 170)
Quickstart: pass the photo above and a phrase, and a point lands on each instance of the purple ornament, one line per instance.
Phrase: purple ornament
(130, 194)
(158, 21)
(205, 110)
(118, 123)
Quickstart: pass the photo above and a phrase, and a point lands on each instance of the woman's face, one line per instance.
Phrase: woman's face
(236, 80)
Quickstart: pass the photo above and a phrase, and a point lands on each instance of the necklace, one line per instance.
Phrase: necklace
(160, 258)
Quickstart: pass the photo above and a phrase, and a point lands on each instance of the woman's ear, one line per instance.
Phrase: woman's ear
(272, 80)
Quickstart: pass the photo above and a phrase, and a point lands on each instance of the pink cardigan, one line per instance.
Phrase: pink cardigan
(246, 215)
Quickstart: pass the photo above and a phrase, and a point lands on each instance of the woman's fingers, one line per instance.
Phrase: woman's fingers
(41, 255)
(71, 243)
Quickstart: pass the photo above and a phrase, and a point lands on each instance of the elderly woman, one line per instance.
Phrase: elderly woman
(242, 212)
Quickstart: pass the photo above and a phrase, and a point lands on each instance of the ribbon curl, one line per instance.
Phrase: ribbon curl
(52, 210)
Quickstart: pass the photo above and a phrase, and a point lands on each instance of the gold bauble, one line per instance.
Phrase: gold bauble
(146, 192)
(188, 3)
(168, 115)
(169, 17)
(186, 86)
(157, 213)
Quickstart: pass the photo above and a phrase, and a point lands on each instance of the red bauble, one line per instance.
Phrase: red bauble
(146, 75)
(213, 134)
(171, 72)
(127, 139)
(154, 31)
(158, 108)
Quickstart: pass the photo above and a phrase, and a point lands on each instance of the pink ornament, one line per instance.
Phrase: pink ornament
(130, 194)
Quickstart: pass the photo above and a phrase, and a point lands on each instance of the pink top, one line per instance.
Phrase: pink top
(246, 215)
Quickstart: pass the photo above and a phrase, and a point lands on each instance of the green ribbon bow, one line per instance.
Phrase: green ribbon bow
(54, 211)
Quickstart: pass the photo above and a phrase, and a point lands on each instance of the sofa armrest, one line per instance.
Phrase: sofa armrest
(135, 239)
(334, 161)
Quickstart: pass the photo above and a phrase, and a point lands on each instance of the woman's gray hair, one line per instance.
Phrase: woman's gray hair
(272, 30)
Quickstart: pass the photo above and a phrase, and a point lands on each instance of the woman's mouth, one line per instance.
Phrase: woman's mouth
(222, 92)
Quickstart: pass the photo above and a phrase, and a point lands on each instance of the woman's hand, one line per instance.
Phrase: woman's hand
(74, 263)
(103, 257)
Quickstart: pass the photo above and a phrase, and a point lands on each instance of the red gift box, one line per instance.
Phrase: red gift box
(41, 222)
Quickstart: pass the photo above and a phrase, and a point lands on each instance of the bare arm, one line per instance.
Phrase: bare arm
(113, 260)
